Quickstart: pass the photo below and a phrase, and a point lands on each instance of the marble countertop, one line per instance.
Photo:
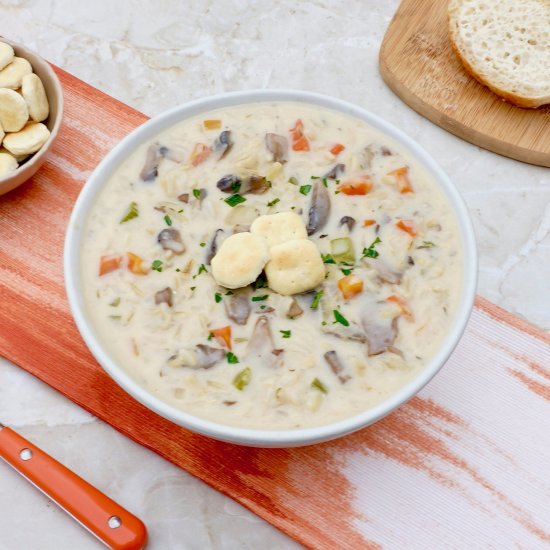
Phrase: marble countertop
(154, 55)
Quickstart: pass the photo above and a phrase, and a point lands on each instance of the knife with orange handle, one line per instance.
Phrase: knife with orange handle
(103, 517)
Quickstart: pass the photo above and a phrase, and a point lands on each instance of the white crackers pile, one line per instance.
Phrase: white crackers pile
(277, 243)
(23, 107)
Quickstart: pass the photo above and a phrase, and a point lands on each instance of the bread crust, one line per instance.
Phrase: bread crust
(510, 97)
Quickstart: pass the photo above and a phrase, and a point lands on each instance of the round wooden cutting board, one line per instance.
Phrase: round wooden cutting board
(419, 65)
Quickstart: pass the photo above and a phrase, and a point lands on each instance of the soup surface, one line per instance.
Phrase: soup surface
(364, 255)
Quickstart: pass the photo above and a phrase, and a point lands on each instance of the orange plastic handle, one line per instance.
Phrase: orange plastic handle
(103, 517)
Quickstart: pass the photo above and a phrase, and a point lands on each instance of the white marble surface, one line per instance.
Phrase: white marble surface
(154, 55)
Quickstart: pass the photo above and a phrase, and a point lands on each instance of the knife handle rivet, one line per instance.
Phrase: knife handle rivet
(114, 522)
(25, 454)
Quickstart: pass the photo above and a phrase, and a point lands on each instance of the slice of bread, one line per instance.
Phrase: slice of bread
(505, 44)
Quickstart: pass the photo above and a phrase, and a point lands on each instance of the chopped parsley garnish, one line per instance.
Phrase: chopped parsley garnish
(273, 202)
(242, 379)
(235, 186)
(260, 282)
(370, 252)
(168, 220)
(327, 259)
(315, 177)
(260, 298)
(316, 299)
(202, 244)
(202, 269)
(339, 318)
(193, 288)
(325, 182)
(317, 384)
(346, 271)
(131, 213)
(218, 297)
(115, 302)
(305, 189)
(232, 359)
(294, 181)
(286, 333)
(426, 244)
(229, 293)
(233, 200)
(197, 193)
(156, 265)
(210, 336)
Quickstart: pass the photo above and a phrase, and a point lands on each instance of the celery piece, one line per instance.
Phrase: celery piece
(342, 250)
(242, 379)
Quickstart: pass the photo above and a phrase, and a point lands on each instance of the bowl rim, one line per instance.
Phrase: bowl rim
(37, 157)
(247, 436)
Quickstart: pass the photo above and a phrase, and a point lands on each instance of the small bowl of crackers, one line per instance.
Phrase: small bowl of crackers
(31, 109)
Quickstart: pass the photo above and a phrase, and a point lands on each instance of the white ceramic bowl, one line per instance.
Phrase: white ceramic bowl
(260, 438)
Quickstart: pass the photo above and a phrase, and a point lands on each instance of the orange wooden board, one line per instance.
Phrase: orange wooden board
(344, 494)
(418, 64)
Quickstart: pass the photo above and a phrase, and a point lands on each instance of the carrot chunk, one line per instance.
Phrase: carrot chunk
(337, 149)
(212, 124)
(403, 306)
(109, 263)
(350, 286)
(402, 178)
(407, 226)
(223, 335)
(299, 140)
(199, 154)
(356, 186)
(367, 223)
(135, 264)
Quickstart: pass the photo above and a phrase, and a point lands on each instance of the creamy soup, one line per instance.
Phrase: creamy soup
(337, 262)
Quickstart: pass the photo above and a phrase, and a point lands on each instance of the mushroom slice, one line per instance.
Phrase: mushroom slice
(223, 144)
(278, 145)
(202, 357)
(260, 347)
(349, 221)
(207, 356)
(384, 273)
(170, 154)
(336, 171)
(149, 172)
(170, 239)
(212, 247)
(319, 209)
(233, 184)
(381, 335)
(294, 309)
(257, 185)
(164, 296)
(331, 357)
(229, 184)
(238, 307)
(353, 332)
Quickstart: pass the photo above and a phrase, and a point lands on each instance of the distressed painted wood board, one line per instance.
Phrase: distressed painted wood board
(418, 64)
(463, 464)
